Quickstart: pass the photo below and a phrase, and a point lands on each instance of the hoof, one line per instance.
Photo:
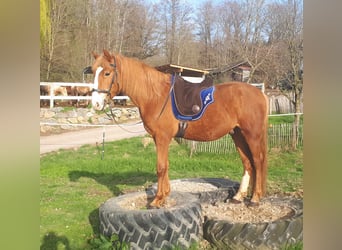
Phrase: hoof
(157, 203)
(153, 205)
(235, 201)
(253, 204)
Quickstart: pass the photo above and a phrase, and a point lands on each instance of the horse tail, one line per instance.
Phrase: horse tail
(264, 146)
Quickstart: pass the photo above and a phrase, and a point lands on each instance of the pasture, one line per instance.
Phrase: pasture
(73, 183)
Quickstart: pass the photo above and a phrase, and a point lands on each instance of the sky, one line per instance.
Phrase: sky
(194, 3)
(197, 3)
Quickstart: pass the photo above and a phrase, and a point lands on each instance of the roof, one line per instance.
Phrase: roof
(226, 68)
(185, 71)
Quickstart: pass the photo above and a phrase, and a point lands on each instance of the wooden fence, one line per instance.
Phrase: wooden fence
(51, 97)
(279, 136)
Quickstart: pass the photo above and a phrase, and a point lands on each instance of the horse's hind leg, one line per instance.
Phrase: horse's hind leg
(248, 172)
(252, 149)
(259, 151)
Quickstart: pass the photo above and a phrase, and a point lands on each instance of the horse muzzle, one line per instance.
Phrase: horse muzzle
(98, 100)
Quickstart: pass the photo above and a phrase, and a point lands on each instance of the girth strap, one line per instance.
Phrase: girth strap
(181, 129)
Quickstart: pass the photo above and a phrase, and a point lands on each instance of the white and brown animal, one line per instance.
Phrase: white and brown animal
(57, 91)
(79, 91)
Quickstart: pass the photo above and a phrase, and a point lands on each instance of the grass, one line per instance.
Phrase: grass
(74, 183)
(283, 119)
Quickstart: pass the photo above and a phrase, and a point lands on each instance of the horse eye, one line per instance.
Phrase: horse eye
(107, 73)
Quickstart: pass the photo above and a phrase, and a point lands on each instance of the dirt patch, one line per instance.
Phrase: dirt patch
(235, 213)
(142, 203)
(240, 213)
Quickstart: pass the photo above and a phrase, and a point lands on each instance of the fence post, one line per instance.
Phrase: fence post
(52, 86)
(51, 97)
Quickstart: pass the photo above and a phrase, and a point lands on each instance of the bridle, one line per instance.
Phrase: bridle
(88, 70)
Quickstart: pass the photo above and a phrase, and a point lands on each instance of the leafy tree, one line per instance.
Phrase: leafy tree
(45, 25)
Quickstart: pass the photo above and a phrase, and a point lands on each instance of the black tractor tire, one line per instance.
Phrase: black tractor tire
(277, 234)
(226, 189)
(164, 228)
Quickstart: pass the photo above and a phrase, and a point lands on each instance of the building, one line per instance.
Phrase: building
(239, 71)
(189, 74)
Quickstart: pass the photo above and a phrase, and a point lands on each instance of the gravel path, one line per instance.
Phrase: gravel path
(75, 139)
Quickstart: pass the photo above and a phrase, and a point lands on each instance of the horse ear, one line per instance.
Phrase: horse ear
(94, 55)
(107, 55)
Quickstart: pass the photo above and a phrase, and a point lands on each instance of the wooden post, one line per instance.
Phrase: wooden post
(52, 86)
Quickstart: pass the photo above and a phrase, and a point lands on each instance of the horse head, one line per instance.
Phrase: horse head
(106, 84)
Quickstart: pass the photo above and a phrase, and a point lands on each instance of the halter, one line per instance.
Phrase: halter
(115, 75)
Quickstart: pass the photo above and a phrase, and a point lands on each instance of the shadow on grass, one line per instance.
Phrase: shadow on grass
(113, 180)
(94, 221)
(52, 241)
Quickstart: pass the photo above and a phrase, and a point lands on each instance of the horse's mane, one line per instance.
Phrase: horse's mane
(141, 79)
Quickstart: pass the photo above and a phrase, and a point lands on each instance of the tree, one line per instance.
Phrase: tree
(241, 35)
(205, 22)
(267, 34)
(176, 26)
(250, 40)
(230, 22)
(286, 32)
(49, 59)
(142, 36)
(45, 25)
(294, 41)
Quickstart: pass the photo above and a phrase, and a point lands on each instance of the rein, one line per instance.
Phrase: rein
(168, 96)
(119, 125)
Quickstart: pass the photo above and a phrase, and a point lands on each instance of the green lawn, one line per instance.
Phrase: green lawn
(281, 119)
(73, 184)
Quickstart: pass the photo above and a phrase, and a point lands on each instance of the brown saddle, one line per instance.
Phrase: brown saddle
(187, 95)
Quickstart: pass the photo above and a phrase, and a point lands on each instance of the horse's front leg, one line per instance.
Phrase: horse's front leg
(162, 148)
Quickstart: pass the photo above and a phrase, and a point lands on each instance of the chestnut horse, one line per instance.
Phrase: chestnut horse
(239, 109)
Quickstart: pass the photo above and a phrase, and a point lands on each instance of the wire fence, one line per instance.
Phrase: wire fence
(279, 136)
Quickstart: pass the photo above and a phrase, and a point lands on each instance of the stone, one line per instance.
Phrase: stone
(73, 120)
